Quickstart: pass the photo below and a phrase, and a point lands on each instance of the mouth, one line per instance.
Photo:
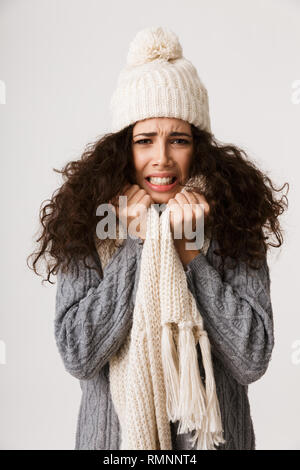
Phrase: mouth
(161, 184)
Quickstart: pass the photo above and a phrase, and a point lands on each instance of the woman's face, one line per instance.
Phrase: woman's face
(166, 152)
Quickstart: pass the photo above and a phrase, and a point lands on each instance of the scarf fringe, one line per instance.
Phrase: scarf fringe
(212, 433)
(171, 371)
(195, 407)
(192, 400)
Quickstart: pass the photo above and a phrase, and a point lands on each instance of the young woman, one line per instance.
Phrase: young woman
(162, 142)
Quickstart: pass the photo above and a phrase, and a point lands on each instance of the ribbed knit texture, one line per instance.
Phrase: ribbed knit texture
(94, 317)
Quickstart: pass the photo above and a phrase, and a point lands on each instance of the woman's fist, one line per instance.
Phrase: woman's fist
(185, 208)
(138, 202)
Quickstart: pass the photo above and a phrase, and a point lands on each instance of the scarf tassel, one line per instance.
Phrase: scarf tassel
(171, 371)
(188, 402)
(213, 435)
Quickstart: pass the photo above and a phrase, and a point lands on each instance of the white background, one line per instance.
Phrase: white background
(60, 61)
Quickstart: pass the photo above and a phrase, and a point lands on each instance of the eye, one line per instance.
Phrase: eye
(142, 140)
(184, 141)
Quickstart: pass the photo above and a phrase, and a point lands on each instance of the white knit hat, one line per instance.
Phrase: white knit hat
(158, 82)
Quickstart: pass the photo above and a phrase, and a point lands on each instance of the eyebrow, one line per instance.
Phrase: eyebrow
(150, 134)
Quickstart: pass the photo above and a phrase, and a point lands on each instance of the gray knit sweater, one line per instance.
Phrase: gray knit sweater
(92, 320)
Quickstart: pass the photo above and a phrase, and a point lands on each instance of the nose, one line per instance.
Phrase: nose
(162, 158)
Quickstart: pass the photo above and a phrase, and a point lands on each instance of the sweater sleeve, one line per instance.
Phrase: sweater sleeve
(94, 314)
(237, 315)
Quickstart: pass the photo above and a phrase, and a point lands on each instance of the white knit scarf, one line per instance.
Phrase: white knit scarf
(154, 377)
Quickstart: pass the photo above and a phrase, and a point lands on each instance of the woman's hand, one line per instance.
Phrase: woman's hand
(138, 202)
(191, 213)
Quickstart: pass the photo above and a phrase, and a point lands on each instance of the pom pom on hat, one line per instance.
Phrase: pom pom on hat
(153, 44)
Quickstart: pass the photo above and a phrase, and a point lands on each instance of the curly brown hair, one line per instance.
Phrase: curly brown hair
(243, 209)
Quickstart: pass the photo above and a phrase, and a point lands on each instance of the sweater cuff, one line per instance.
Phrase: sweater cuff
(196, 264)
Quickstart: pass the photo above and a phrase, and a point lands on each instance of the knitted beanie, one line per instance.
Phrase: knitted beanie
(158, 81)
